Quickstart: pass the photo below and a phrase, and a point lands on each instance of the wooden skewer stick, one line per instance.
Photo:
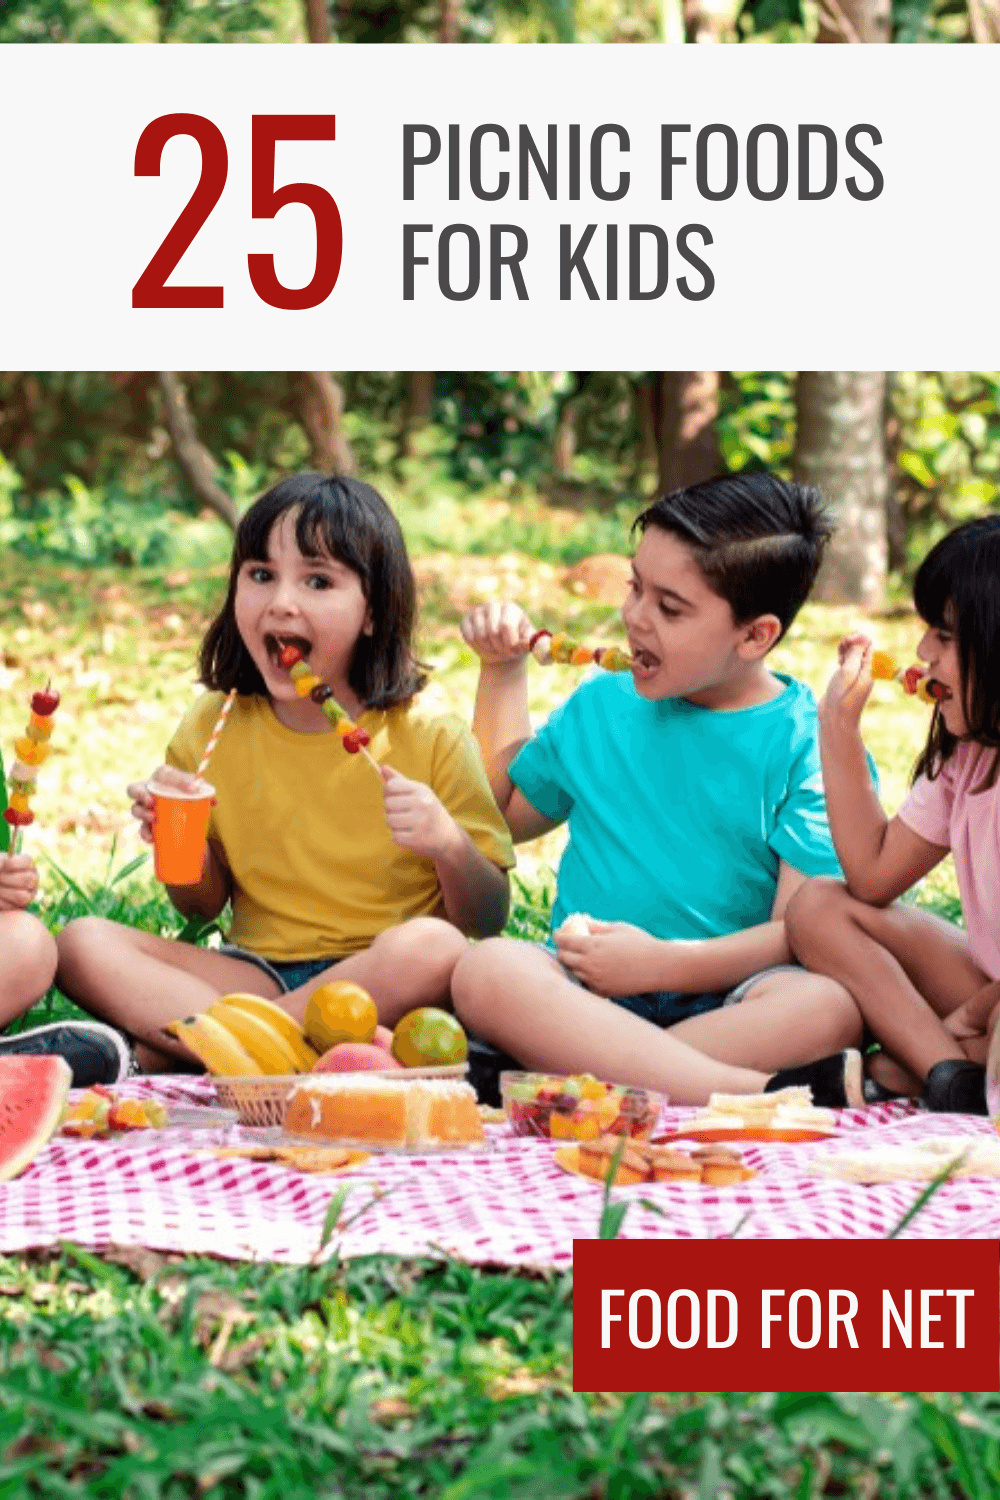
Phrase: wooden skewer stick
(371, 761)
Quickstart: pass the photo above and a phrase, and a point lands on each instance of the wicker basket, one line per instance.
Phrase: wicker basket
(264, 1101)
(257, 1101)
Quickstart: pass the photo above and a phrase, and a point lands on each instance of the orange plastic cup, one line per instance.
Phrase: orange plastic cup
(180, 824)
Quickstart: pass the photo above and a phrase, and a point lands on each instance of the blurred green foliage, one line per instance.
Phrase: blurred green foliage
(912, 21)
(137, 21)
(351, 21)
(87, 472)
(402, 21)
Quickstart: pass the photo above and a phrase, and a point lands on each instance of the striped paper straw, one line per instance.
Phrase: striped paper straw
(213, 738)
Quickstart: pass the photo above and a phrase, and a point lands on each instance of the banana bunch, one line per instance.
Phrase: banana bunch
(243, 1036)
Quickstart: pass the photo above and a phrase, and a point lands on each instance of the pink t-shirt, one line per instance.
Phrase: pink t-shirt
(949, 811)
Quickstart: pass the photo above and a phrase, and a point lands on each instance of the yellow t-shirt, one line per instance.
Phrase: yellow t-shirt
(301, 822)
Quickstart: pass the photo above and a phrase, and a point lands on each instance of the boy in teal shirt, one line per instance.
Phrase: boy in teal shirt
(717, 800)
(693, 791)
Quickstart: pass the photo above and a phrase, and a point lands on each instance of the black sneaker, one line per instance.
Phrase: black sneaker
(486, 1063)
(836, 1082)
(96, 1053)
(955, 1087)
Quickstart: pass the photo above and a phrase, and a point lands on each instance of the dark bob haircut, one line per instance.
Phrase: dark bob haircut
(957, 588)
(758, 540)
(347, 520)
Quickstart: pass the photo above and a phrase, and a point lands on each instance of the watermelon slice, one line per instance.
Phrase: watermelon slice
(32, 1099)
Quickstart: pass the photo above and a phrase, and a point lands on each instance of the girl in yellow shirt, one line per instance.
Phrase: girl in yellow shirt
(333, 870)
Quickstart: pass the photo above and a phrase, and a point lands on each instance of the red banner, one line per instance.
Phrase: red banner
(785, 1315)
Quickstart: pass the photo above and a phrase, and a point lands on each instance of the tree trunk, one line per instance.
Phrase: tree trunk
(564, 441)
(895, 519)
(321, 411)
(840, 446)
(687, 404)
(194, 458)
(451, 11)
(418, 408)
(854, 21)
(317, 21)
(644, 405)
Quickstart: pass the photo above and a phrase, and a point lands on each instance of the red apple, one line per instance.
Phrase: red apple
(354, 1057)
(383, 1038)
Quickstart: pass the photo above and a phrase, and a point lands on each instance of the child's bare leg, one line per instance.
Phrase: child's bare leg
(785, 1020)
(518, 998)
(27, 963)
(139, 982)
(905, 968)
(405, 966)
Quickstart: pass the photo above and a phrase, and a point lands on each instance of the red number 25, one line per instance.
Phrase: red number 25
(151, 291)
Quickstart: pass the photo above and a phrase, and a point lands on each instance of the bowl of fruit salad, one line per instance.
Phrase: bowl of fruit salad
(577, 1108)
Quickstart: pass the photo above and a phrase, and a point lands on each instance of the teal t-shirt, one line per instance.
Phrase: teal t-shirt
(678, 815)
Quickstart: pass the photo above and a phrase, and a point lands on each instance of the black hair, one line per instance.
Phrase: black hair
(957, 588)
(758, 540)
(347, 520)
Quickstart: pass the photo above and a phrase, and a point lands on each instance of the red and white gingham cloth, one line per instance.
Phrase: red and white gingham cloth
(508, 1204)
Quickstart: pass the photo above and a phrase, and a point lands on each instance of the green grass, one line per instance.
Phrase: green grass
(385, 1378)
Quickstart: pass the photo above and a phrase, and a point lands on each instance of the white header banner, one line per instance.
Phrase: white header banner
(402, 207)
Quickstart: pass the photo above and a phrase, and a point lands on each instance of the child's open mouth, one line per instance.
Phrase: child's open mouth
(273, 645)
(644, 663)
(937, 690)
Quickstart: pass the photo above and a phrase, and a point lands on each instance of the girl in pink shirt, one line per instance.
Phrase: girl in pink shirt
(929, 992)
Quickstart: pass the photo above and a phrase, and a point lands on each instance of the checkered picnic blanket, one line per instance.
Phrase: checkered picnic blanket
(507, 1203)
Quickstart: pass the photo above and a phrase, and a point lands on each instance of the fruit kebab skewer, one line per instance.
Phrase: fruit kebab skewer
(914, 680)
(32, 749)
(547, 648)
(353, 737)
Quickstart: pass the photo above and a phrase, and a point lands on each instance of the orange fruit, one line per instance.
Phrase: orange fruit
(427, 1038)
(339, 1012)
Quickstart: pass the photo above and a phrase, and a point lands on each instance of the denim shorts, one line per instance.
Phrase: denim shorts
(290, 974)
(667, 1007)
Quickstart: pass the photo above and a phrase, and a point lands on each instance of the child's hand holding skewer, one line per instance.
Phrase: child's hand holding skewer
(849, 688)
(18, 881)
(417, 819)
(498, 633)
